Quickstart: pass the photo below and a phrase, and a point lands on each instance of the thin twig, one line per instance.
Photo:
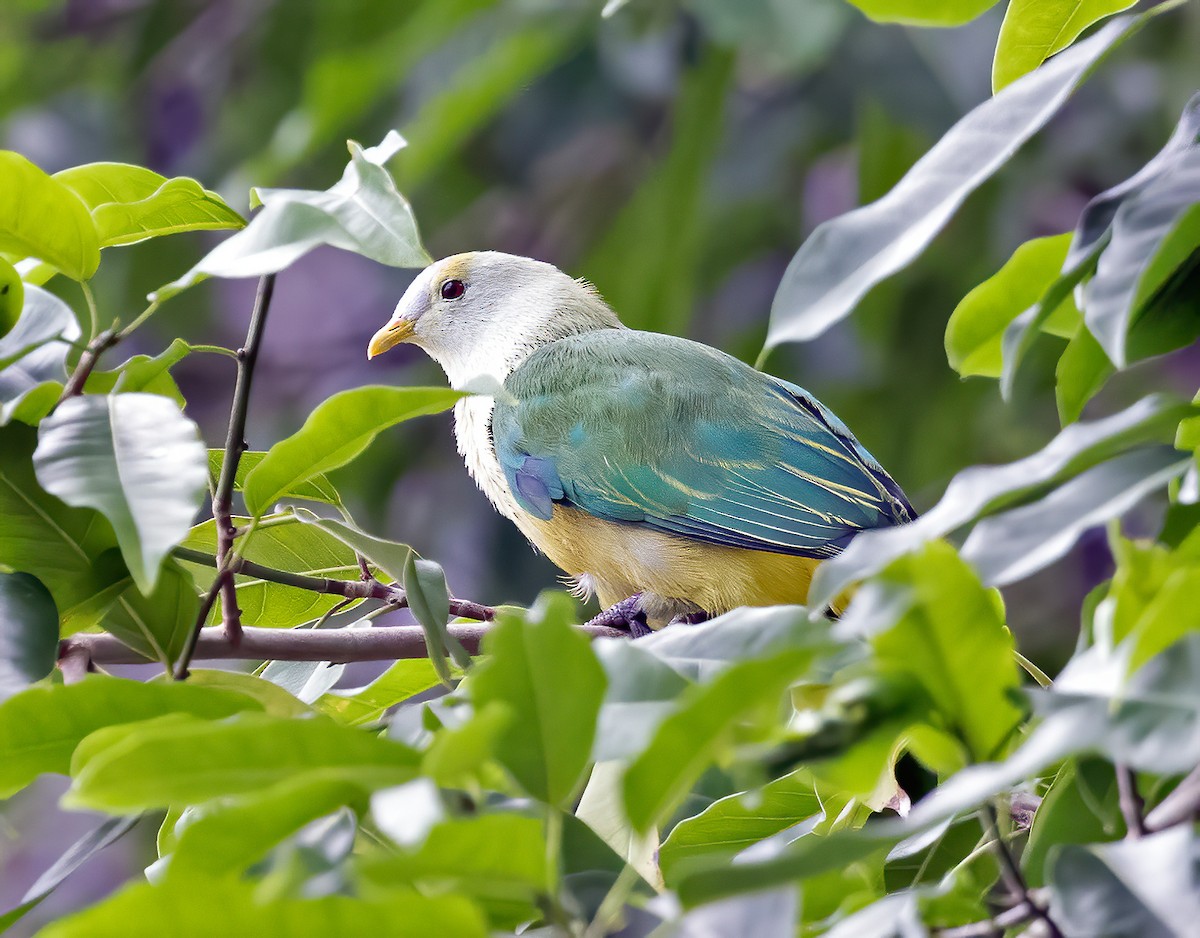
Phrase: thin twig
(189, 649)
(87, 362)
(1180, 806)
(1010, 918)
(385, 643)
(235, 445)
(1010, 872)
(351, 589)
(1131, 802)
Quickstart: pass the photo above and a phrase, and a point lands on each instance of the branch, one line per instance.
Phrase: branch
(1010, 872)
(87, 362)
(1131, 802)
(351, 589)
(384, 643)
(1019, 914)
(1179, 806)
(235, 445)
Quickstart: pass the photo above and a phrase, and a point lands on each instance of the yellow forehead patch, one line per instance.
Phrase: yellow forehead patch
(454, 267)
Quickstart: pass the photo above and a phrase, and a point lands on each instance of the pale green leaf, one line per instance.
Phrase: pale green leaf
(43, 218)
(1034, 30)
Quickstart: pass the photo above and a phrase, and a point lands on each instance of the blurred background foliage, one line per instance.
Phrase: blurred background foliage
(676, 154)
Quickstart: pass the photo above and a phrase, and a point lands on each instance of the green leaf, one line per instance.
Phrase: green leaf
(547, 675)
(458, 753)
(641, 693)
(1033, 30)
(429, 600)
(334, 434)
(105, 833)
(40, 727)
(130, 203)
(1010, 546)
(157, 626)
(735, 822)
(225, 838)
(274, 699)
(951, 637)
(12, 297)
(30, 355)
(847, 256)
(984, 490)
(363, 212)
(1069, 814)
(692, 737)
(1140, 227)
(59, 545)
(158, 763)
(316, 489)
(1081, 372)
(136, 459)
(1144, 888)
(28, 632)
(143, 373)
(392, 558)
(402, 680)
(490, 856)
(923, 12)
(977, 325)
(283, 543)
(232, 907)
(43, 218)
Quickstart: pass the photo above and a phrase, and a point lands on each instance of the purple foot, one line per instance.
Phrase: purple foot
(692, 618)
(625, 615)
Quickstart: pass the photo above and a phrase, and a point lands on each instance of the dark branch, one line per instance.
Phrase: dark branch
(351, 589)
(87, 362)
(189, 649)
(1010, 918)
(235, 445)
(1131, 802)
(384, 643)
(1010, 873)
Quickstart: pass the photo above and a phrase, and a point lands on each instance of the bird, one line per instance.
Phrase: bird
(668, 478)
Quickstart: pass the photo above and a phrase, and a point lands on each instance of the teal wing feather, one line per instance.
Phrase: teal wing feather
(653, 430)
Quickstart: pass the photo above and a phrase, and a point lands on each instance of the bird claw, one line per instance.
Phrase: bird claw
(626, 615)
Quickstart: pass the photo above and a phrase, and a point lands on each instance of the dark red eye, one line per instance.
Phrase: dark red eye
(453, 289)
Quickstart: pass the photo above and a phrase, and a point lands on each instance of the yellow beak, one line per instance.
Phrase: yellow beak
(395, 332)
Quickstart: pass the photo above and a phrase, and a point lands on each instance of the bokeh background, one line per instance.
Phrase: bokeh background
(676, 154)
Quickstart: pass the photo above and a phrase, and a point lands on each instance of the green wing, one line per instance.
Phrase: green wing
(653, 430)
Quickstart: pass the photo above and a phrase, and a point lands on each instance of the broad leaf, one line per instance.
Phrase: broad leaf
(28, 632)
(157, 625)
(976, 327)
(547, 675)
(402, 680)
(32, 357)
(688, 740)
(1034, 30)
(12, 297)
(923, 12)
(429, 600)
(316, 489)
(157, 763)
(59, 545)
(136, 459)
(1145, 888)
(847, 256)
(334, 434)
(41, 726)
(284, 544)
(735, 822)
(1012, 545)
(363, 212)
(391, 557)
(1141, 225)
(641, 693)
(1082, 370)
(233, 907)
(952, 639)
(984, 490)
(226, 838)
(130, 203)
(39, 216)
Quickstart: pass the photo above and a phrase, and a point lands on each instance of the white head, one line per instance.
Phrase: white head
(479, 315)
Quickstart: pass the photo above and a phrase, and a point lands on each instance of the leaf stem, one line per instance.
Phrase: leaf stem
(93, 314)
(235, 445)
(1131, 802)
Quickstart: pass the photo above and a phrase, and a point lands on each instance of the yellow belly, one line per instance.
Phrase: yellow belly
(677, 574)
